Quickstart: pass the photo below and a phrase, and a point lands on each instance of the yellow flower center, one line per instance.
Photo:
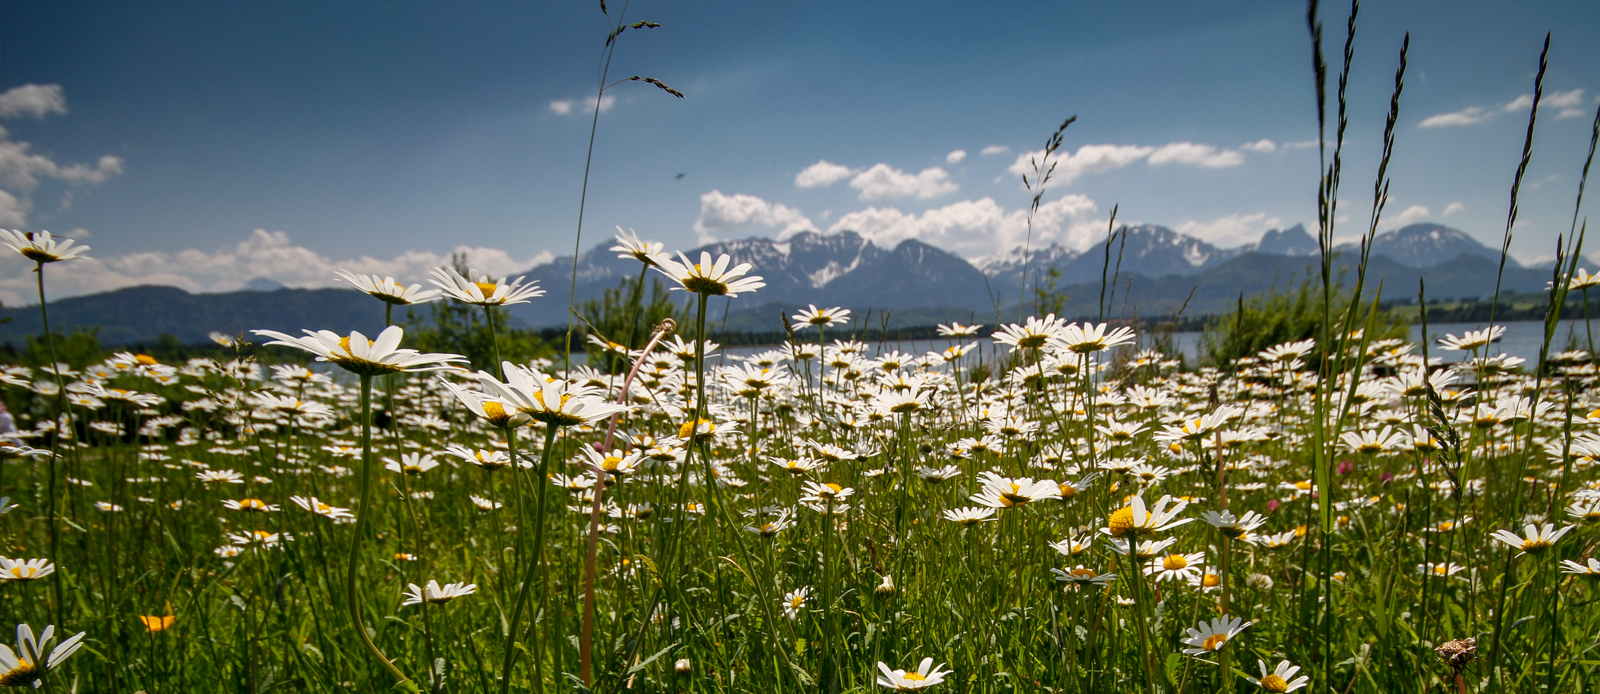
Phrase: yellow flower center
(1303, 485)
(688, 428)
(1121, 522)
(1174, 562)
(488, 288)
(914, 677)
(610, 463)
(23, 571)
(23, 673)
(1215, 642)
(495, 412)
(1083, 573)
(145, 359)
(1537, 544)
(1274, 683)
(1014, 498)
(1211, 581)
(1442, 570)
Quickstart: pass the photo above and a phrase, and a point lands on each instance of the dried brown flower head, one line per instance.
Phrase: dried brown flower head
(1457, 654)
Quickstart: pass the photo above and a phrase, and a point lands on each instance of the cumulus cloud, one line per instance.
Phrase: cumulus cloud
(1565, 103)
(1101, 158)
(1410, 215)
(955, 157)
(1193, 154)
(884, 182)
(1453, 208)
(1088, 159)
(720, 212)
(36, 100)
(977, 227)
(1262, 145)
(1231, 230)
(22, 171)
(1300, 144)
(1471, 115)
(994, 149)
(821, 174)
(268, 254)
(563, 107)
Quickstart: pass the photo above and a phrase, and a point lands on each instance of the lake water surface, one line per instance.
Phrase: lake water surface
(1522, 339)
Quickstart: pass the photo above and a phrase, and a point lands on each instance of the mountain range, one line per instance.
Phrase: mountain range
(1156, 269)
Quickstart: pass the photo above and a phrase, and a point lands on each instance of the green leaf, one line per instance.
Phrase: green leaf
(647, 661)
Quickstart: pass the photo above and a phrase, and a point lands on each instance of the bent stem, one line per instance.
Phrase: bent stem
(586, 640)
(362, 514)
(535, 571)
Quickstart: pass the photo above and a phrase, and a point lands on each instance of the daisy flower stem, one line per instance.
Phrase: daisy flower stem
(535, 571)
(494, 340)
(362, 515)
(52, 510)
(1142, 609)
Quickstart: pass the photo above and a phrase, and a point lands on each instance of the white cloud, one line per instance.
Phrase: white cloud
(1231, 230)
(1101, 158)
(268, 254)
(1088, 159)
(721, 212)
(1410, 215)
(884, 182)
(22, 171)
(1565, 103)
(1452, 208)
(1300, 144)
(977, 227)
(955, 157)
(994, 149)
(821, 174)
(1261, 145)
(1566, 99)
(563, 107)
(37, 100)
(1195, 155)
(13, 211)
(1471, 115)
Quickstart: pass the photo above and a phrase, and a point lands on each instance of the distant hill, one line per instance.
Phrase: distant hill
(1292, 241)
(833, 269)
(143, 314)
(1426, 244)
(914, 283)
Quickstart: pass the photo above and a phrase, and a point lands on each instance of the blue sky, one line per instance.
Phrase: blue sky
(203, 144)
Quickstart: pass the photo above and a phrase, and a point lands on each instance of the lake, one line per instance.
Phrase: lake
(1522, 339)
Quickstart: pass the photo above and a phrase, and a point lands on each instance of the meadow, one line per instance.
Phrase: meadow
(1039, 505)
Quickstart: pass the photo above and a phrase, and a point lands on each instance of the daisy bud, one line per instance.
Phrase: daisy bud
(885, 589)
(683, 666)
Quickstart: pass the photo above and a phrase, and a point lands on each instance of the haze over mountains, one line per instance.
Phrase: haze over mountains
(1156, 269)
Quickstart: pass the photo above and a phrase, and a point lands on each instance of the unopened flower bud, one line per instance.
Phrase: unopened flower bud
(683, 666)
(886, 588)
